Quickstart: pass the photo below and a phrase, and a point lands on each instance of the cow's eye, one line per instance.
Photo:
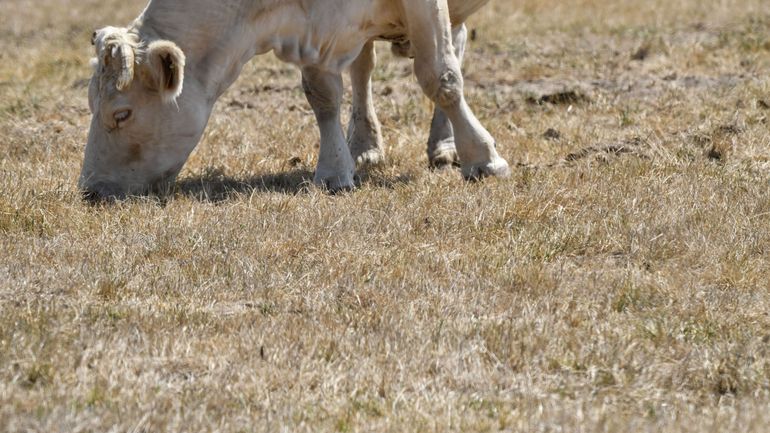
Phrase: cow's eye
(121, 116)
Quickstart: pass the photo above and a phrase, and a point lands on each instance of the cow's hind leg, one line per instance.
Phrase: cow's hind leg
(441, 143)
(336, 168)
(364, 132)
(438, 71)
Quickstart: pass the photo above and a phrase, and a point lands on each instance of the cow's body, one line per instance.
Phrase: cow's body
(191, 51)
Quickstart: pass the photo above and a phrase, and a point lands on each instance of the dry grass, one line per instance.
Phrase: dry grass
(617, 282)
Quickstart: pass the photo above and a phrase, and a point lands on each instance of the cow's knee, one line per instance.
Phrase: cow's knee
(443, 84)
(450, 89)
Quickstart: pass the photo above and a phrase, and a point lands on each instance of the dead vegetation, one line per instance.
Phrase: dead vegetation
(617, 282)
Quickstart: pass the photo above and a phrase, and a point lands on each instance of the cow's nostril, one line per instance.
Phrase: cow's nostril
(92, 196)
(102, 192)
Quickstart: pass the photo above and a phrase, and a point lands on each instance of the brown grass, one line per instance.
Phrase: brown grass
(617, 282)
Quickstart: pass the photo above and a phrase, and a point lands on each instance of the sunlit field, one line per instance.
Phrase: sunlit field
(618, 281)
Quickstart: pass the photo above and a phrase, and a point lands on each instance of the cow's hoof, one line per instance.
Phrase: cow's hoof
(334, 183)
(498, 167)
(443, 156)
(370, 157)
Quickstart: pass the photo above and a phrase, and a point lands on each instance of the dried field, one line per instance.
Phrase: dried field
(619, 281)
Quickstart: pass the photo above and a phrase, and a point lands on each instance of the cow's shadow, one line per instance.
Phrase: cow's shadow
(214, 185)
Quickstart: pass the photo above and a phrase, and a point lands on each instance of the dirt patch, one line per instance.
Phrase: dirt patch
(642, 87)
(631, 146)
(719, 142)
(554, 92)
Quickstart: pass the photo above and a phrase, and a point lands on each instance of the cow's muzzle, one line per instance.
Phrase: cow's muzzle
(103, 192)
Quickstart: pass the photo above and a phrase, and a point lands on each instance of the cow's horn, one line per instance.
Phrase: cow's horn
(125, 53)
(118, 46)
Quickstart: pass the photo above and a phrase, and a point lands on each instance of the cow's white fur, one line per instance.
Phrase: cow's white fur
(138, 140)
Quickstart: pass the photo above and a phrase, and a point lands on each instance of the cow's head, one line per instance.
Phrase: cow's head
(143, 127)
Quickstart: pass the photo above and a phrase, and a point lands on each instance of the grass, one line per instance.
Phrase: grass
(617, 282)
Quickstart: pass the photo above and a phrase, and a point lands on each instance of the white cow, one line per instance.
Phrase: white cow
(156, 82)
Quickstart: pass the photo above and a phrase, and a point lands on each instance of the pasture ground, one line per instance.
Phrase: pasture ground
(617, 282)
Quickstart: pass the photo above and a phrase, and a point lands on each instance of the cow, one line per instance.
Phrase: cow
(156, 81)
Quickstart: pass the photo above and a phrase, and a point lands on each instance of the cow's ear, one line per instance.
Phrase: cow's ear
(165, 69)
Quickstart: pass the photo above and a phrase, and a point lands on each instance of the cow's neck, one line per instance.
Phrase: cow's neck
(216, 37)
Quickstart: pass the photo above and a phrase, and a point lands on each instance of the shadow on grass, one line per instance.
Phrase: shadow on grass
(214, 185)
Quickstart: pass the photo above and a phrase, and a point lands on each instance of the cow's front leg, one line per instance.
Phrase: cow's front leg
(441, 142)
(438, 71)
(336, 168)
(364, 132)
